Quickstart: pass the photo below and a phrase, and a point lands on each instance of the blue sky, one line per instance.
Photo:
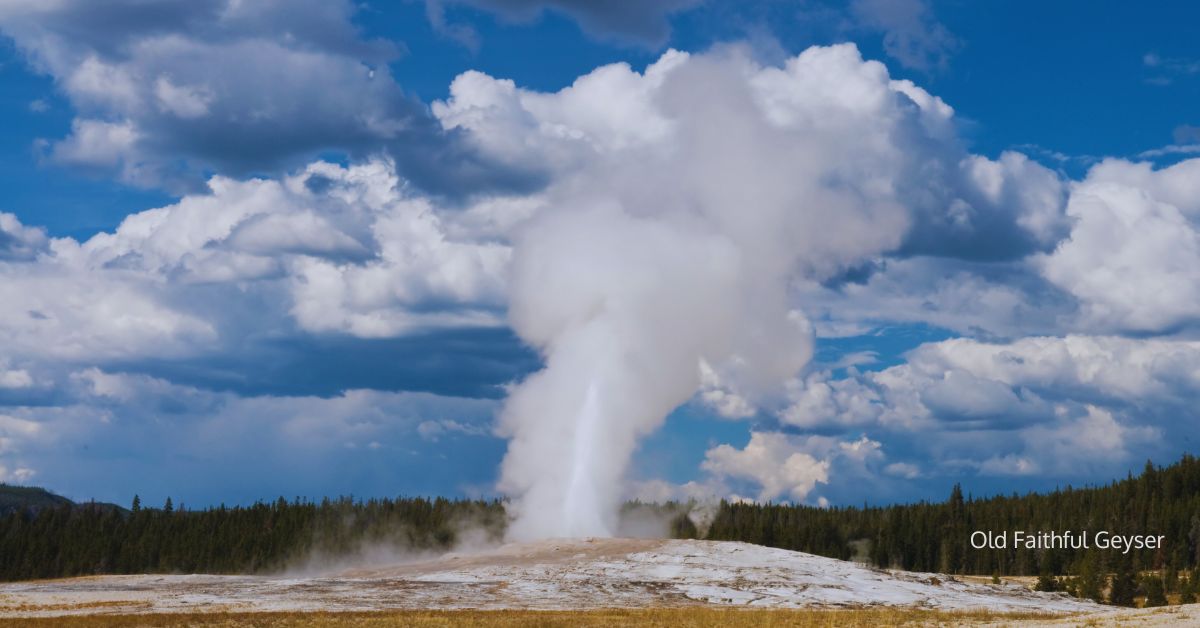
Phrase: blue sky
(268, 249)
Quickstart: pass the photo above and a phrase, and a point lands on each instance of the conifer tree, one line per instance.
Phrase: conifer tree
(1155, 596)
(1091, 581)
(1188, 589)
(1046, 582)
(1124, 584)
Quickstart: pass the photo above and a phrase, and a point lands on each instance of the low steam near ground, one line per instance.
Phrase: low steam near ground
(550, 574)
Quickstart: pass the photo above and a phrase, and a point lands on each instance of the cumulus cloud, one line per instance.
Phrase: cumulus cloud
(718, 396)
(49, 312)
(15, 378)
(974, 381)
(1134, 252)
(776, 466)
(770, 461)
(905, 470)
(1072, 444)
(1096, 435)
(357, 251)
(17, 241)
(1119, 259)
(166, 95)
(1035, 405)
(327, 249)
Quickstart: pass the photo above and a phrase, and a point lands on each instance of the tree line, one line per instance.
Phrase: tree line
(57, 539)
(83, 539)
(937, 536)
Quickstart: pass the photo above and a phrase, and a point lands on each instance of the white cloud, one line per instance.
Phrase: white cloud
(969, 380)
(417, 264)
(19, 475)
(50, 312)
(1034, 405)
(1009, 464)
(777, 466)
(772, 462)
(356, 250)
(14, 378)
(101, 144)
(163, 97)
(19, 242)
(433, 430)
(360, 256)
(1133, 256)
(726, 402)
(905, 470)
(182, 100)
(1089, 440)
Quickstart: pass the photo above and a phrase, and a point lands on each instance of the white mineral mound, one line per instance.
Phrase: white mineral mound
(553, 574)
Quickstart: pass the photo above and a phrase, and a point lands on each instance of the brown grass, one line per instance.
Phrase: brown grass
(6, 607)
(658, 618)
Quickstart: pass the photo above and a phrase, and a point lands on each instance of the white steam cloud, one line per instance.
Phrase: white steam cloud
(685, 201)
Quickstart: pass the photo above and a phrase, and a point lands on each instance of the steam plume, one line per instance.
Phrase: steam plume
(699, 191)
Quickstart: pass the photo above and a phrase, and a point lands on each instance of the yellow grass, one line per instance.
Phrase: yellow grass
(659, 618)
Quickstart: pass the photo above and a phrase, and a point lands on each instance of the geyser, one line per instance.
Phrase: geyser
(685, 202)
(624, 309)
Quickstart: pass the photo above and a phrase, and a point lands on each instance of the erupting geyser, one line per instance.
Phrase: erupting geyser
(624, 309)
(686, 201)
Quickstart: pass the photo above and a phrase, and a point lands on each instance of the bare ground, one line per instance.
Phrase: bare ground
(567, 582)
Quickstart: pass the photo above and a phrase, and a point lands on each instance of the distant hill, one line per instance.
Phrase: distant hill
(16, 498)
(34, 499)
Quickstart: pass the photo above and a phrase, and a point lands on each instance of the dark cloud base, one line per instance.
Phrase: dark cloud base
(459, 363)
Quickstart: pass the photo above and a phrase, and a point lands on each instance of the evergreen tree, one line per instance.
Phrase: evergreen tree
(1194, 538)
(682, 527)
(1188, 589)
(1124, 584)
(1155, 596)
(1046, 582)
(1090, 584)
